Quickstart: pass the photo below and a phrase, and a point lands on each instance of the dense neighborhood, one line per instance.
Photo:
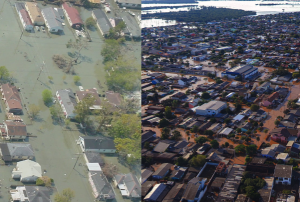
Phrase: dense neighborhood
(220, 110)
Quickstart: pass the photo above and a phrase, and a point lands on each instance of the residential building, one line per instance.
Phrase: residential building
(283, 174)
(282, 134)
(245, 72)
(162, 171)
(53, 20)
(148, 135)
(102, 21)
(113, 98)
(159, 191)
(128, 185)
(16, 151)
(102, 190)
(129, 3)
(72, 16)
(97, 144)
(89, 93)
(67, 102)
(11, 97)
(146, 174)
(232, 183)
(270, 99)
(27, 171)
(176, 193)
(195, 190)
(31, 194)
(283, 156)
(15, 130)
(24, 16)
(210, 108)
(34, 13)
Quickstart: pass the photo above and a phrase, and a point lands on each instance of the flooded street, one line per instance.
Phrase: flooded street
(28, 56)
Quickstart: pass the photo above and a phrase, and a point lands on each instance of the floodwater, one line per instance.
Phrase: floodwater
(28, 57)
(243, 5)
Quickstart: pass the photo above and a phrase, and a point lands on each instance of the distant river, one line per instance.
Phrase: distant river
(244, 5)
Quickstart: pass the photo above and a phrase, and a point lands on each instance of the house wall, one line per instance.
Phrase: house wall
(283, 180)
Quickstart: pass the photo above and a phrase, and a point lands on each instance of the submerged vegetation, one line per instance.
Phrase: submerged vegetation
(201, 15)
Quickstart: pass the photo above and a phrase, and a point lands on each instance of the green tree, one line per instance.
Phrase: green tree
(240, 149)
(90, 22)
(126, 126)
(200, 140)
(197, 161)
(254, 107)
(181, 161)
(252, 193)
(276, 122)
(65, 196)
(205, 95)
(163, 123)
(82, 109)
(176, 135)
(168, 112)
(76, 79)
(194, 129)
(251, 150)
(4, 73)
(238, 130)
(47, 96)
(111, 50)
(227, 121)
(214, 144)
(55, 112)
(125, 146)
(67, 122)
(165, 133)
(213, 120)
(208, 132)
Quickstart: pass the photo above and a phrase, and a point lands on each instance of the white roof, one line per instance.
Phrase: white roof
(29, 168)
(282, 156)
(213, 105)
(226, 131)
(238, 117)
(290, 143)
(94, 167)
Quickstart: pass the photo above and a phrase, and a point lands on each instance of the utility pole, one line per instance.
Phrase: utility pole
(41, 70)
(78, 154)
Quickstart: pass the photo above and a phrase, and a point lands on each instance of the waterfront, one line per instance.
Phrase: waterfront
(243, 5)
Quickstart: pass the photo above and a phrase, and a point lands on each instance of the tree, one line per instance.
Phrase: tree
(33, 110)
(176, 135)
(214, 144)
(55, 112)
(213, 120)
(266, 131)
(165, 133)
(110, 170)
(226, 144)
(111, 50)
(181, 161)
(163, 123)
(197, 161)
(67, 122)
(286, 111)
(90, 22)
(77, 45)
(126, 126)
(82, 109)
(251, 150)
(238, 130)
(240, 149)
(254, 107)
(47, 96)
(65, 196)
(248, 159)
(76, 79)
(257, 139)
(194, 129)
(200, 140)
(44, 181)
(168, 112)
(4, 73)
(227, 121)
(205, 95)
(50, 78)
(276, 122)
(252, 193)
(208, 132)
(129, 149)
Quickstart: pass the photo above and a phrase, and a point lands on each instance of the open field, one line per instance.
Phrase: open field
(25, 55)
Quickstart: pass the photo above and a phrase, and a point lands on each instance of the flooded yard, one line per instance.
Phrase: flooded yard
(28, 56)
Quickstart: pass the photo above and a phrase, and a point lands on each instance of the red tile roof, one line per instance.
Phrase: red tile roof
(72, 13)
(25, 17)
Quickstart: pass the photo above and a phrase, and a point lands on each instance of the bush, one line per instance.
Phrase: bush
(40, 182)
(47, 96)
(76, 79)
